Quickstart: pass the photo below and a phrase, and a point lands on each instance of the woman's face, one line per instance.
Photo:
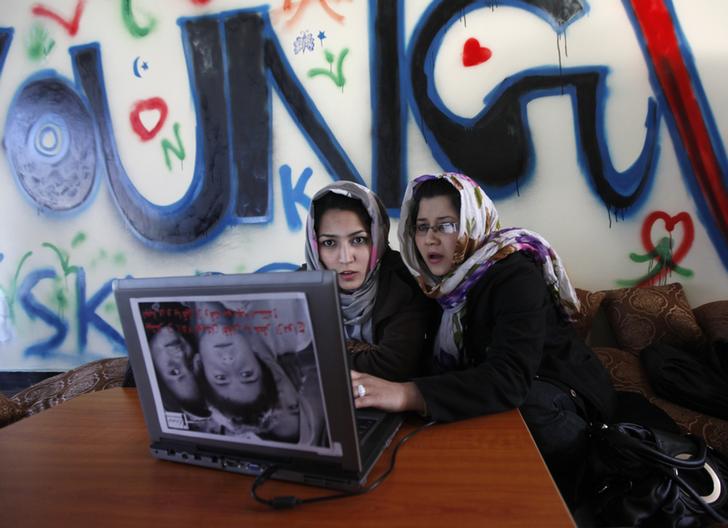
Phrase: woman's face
(172, 358)
(344, 247)
(231, 368)
(436, 245)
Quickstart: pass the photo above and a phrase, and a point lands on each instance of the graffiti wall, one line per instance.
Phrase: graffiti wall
(144, 138)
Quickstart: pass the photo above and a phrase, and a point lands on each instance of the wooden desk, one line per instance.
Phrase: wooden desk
(86, 462)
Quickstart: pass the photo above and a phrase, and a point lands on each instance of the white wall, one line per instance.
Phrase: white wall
(51, 238)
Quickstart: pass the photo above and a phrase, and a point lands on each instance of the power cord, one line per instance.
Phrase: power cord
(283, 502)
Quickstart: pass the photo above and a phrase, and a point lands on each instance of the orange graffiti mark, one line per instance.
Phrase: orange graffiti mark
(296, 9)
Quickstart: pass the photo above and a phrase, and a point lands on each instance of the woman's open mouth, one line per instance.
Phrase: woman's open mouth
(348, 276)
(434, 258)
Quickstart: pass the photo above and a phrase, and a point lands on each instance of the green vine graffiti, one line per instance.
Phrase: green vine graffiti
(63, 257)
(660, 262)
(13, 288)
(40, 44)
(118, 259)
(338, 78)
(78, 239)
(178, 151)
(60, 293)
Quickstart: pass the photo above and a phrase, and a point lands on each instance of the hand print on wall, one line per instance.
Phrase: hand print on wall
(39, 44)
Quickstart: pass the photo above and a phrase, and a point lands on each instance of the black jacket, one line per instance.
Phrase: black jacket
(403, 320)
(513, 333)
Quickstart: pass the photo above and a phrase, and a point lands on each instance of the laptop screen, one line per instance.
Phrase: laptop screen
(241, 366)
(251, 363)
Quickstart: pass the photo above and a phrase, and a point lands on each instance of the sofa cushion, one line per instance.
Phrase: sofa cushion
(93, 376)
(655, 314)
(589, 305)
(10, 411)
(627, 375)
(713, 320)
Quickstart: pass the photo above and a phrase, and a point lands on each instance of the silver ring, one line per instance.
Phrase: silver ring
(361, 390)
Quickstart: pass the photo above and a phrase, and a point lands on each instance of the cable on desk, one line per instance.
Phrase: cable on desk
(282, 502)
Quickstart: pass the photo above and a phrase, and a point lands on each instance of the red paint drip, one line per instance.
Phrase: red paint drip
(663, 47)
(670, 223)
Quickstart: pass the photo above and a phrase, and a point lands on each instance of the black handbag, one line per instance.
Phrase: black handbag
(648, 477)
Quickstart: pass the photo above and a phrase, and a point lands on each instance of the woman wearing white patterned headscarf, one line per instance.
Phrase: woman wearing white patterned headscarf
(504, 340)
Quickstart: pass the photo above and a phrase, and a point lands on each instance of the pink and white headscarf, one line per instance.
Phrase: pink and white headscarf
(357, 306)
(481, 243)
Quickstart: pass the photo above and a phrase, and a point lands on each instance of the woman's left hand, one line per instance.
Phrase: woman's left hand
(370, 391)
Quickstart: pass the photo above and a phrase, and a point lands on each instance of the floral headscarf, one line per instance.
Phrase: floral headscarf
(356, 306)
(480, 244)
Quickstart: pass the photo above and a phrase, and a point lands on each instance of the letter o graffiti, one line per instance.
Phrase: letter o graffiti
(50, 142)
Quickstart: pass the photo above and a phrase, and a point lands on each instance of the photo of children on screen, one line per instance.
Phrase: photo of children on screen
(242, 367)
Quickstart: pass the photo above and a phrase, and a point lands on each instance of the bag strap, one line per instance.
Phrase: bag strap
(685, 486)
(619, 436)
(637, 440)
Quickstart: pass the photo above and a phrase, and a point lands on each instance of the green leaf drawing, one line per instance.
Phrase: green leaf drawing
(338, 78)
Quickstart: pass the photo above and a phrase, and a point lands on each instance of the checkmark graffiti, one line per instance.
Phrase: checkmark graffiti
(71, 26)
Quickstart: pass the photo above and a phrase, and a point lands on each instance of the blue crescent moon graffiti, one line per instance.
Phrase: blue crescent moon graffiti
(135, 67)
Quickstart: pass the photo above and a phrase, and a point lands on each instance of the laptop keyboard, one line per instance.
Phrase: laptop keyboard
(364, 425)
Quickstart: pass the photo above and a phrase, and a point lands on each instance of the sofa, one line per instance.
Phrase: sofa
(620, 323)
(89, 377)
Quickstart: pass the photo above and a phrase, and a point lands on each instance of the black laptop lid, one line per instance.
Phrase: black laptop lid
(251, 364)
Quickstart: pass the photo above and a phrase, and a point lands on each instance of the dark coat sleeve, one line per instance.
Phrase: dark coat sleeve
(403, 319)
(504, 341)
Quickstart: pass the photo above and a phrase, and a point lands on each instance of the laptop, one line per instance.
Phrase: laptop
(239, 372)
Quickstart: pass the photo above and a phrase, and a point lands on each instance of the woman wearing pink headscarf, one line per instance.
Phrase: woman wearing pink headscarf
(386, 316)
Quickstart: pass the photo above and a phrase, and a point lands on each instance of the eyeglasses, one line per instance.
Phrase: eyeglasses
(445, 228)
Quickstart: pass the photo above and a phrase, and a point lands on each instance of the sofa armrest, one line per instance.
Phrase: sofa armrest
(96, 375)
(10, 411)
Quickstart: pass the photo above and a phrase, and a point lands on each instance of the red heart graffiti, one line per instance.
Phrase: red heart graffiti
(70, 26)
(154, 103)
(474, 53)
(670, 223)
